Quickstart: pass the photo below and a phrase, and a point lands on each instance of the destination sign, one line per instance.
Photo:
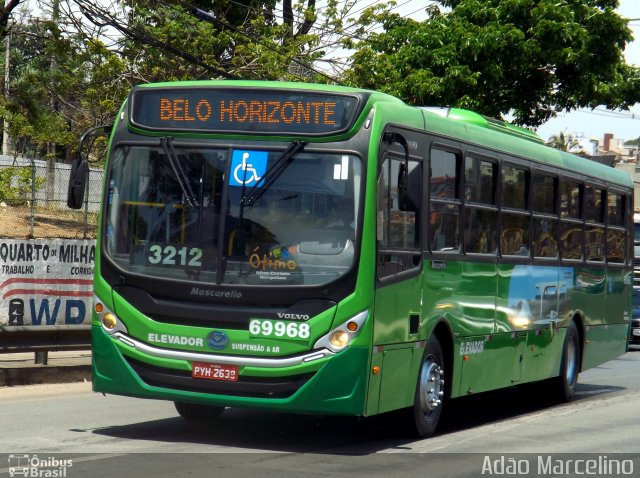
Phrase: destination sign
(262, 111)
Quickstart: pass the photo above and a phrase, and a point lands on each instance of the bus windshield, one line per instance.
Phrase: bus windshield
(178, 212)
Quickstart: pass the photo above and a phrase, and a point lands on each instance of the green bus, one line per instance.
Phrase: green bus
(323, 249)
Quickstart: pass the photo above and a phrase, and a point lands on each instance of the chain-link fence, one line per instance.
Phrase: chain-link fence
(33, 201)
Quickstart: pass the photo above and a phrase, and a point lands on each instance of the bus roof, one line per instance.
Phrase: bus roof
(513, 140)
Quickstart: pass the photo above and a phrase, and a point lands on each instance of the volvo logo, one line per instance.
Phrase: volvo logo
(293, 316)
(217, 340)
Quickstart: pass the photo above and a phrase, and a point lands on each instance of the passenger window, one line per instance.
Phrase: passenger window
(571, 240)
(544, 194)
(514, 238)
(445, 204)
(515, 235)
(480, 181)
(571, 229)
(615, 210)
(616, 237)
(594, 204)
(398, 231)
(571, 200)
(616, 245)
(594, 243)
(444, 175)
(514, 187)
(396, 228)
(545, 232)
(480, 230)
(444, 224)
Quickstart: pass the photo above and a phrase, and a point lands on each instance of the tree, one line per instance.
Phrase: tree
(5, 14)
(563, 141)
(71, 70)
(532, 58)
(175, 39)
(56, 105)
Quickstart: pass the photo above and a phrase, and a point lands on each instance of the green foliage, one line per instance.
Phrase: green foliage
(562, 141)
(60, 85)
(247, 42)
(17, 184)
(66, 77)
(528, 57)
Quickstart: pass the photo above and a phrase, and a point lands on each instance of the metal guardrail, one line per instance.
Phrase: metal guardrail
(16, 339)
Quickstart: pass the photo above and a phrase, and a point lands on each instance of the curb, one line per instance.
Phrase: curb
(10, 377)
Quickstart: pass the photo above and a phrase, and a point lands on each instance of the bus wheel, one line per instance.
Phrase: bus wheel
(564, 386)
(429, 398)
(195, 411)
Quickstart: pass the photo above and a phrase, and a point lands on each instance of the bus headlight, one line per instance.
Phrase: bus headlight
(338, 338)
(109, 321)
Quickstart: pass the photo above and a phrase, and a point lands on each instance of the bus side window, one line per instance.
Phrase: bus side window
(545, 220)
(571, 229)
(445, 201)
(616, 237)
(396, 230)
(594, 236)
(515, 231)
(480, 212)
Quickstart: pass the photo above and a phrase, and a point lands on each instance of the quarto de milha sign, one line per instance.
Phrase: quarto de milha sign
(46, 282)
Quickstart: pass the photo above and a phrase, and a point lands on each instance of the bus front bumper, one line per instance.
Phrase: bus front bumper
(330, 384)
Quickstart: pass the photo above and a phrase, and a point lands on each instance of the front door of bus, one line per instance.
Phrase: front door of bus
(398, 296)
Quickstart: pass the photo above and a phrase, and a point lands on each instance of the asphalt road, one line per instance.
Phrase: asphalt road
(147, 438)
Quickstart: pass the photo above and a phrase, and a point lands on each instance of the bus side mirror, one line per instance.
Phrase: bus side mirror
(77, 183)
(409, 183)
(410, 188)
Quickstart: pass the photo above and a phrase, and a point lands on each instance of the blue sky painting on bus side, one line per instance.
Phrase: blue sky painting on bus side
(530, 284)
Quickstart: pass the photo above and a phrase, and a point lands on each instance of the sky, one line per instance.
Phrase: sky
(593, 124)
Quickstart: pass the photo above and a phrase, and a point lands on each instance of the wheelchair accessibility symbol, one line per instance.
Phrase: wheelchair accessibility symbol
(247, 167)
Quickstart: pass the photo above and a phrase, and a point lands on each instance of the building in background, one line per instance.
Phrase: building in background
(614, 152)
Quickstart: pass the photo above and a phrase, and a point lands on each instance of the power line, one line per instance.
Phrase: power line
(334, 30)
(100, 17)
(206, 16)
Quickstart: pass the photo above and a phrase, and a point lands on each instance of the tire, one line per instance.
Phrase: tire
(197, 412)
(430, 390)
(564, 387)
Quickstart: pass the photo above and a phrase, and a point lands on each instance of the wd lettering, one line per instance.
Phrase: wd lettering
(46, 312)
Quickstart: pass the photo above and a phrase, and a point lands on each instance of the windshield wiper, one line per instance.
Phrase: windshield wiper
(181, 177)
(270, 176)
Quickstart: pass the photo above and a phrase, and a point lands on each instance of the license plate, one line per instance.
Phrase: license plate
(212, 371)
(636, 332)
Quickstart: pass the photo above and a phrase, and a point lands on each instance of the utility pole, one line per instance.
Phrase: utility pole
(5, 124)
(51, 145)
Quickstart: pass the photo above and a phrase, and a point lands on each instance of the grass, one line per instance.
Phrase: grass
(16, 223)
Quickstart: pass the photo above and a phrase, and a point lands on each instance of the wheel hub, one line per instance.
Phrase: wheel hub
(431, 386)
